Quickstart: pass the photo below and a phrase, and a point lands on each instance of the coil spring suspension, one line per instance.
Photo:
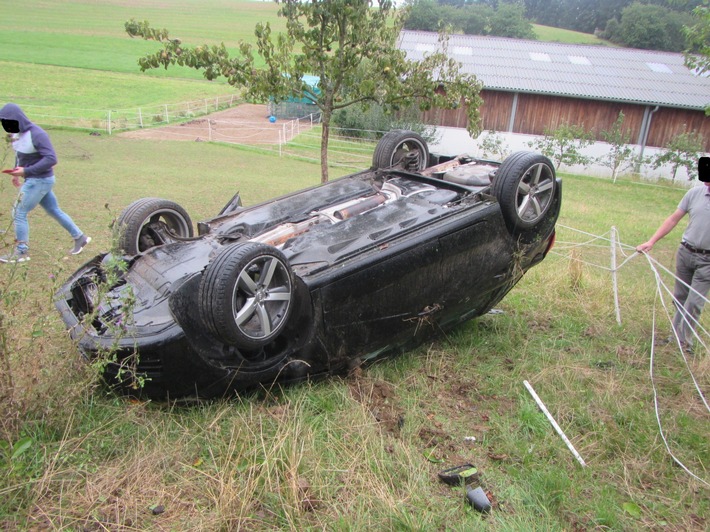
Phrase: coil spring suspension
(411, 161)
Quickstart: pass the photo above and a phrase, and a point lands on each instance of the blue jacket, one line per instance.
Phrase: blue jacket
(33, 149)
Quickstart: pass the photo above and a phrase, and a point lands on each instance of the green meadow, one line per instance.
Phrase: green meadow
(357, 452)
(548, 33)
(70, 55)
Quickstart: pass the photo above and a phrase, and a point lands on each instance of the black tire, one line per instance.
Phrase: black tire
(245, 295)
(525, 186)
(396, 145)
(150, 222)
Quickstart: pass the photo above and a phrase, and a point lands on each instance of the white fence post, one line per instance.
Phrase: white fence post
(614, 281)
(167, 117)
(140, 118)
(108, 123)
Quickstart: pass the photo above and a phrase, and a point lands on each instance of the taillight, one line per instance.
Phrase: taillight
(551, 242)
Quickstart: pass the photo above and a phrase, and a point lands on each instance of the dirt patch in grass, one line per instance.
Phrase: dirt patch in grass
(244, 124)
(456, 412)
(380, 399)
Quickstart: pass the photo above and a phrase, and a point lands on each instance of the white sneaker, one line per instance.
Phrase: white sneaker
(79, 244)
(16, 257)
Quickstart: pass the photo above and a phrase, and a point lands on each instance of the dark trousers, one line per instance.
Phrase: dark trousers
(693, 269)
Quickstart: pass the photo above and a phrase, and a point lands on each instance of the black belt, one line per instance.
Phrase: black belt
(694, 249)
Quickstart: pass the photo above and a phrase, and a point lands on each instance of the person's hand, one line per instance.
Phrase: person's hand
(16, 181)
(644, 248)
(18, 171)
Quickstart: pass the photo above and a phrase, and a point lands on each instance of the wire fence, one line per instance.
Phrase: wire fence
(114, 120)
(190, 121)
(286, 138)
(663, 309)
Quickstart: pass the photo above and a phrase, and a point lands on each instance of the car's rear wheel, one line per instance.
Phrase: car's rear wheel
(245, 295)
(401, 147)
(150, 222)
(525, 186)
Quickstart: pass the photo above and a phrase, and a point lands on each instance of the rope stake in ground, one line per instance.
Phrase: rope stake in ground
(614, 282)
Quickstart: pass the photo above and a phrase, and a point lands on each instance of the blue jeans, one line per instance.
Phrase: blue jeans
(38, 191)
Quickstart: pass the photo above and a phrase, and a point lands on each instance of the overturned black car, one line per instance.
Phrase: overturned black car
(314, 282)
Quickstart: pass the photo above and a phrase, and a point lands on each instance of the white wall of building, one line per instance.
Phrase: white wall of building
(457, 140)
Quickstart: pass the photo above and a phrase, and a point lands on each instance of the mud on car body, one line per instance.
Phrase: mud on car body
(315, 281)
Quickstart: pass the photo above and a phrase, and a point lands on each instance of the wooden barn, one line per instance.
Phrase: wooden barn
(531, 86)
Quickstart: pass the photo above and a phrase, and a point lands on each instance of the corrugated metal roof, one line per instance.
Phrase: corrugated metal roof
(581, 71)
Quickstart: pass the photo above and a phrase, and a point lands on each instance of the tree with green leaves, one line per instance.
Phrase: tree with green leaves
(427, 15)
(505, 19)
(620, 153)
(697, 56)
(682, 151)
(650, 27)
(349, 44)
(509, 20)
(493, 143)
(564, 145)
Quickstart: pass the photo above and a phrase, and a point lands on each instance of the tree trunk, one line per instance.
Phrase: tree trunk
(326, 113)
(324, 150)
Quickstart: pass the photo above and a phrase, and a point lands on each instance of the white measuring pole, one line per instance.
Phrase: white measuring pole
(554, 423)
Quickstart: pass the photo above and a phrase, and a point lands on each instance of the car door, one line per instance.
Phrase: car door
(477, 261)
(377, 305)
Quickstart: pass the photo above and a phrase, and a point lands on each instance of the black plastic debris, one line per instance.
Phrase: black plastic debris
(477, 498)
(458, 475)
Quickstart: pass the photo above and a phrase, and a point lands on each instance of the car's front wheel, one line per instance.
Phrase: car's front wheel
(150, 222)
(525, 186)
(401, 148)
(245, 295)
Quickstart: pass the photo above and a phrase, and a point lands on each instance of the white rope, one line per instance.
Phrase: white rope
(660, 284)
(655, 398)
(606, 268)
(661, 287)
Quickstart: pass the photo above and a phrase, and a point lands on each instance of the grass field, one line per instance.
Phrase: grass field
(548, 33)
(71, 55)
(363, 452)
(356, 453)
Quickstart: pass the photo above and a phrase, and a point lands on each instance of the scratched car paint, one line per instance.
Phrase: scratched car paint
(315, 282)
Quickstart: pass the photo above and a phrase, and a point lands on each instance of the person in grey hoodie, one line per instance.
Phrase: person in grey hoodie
(34, 162)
